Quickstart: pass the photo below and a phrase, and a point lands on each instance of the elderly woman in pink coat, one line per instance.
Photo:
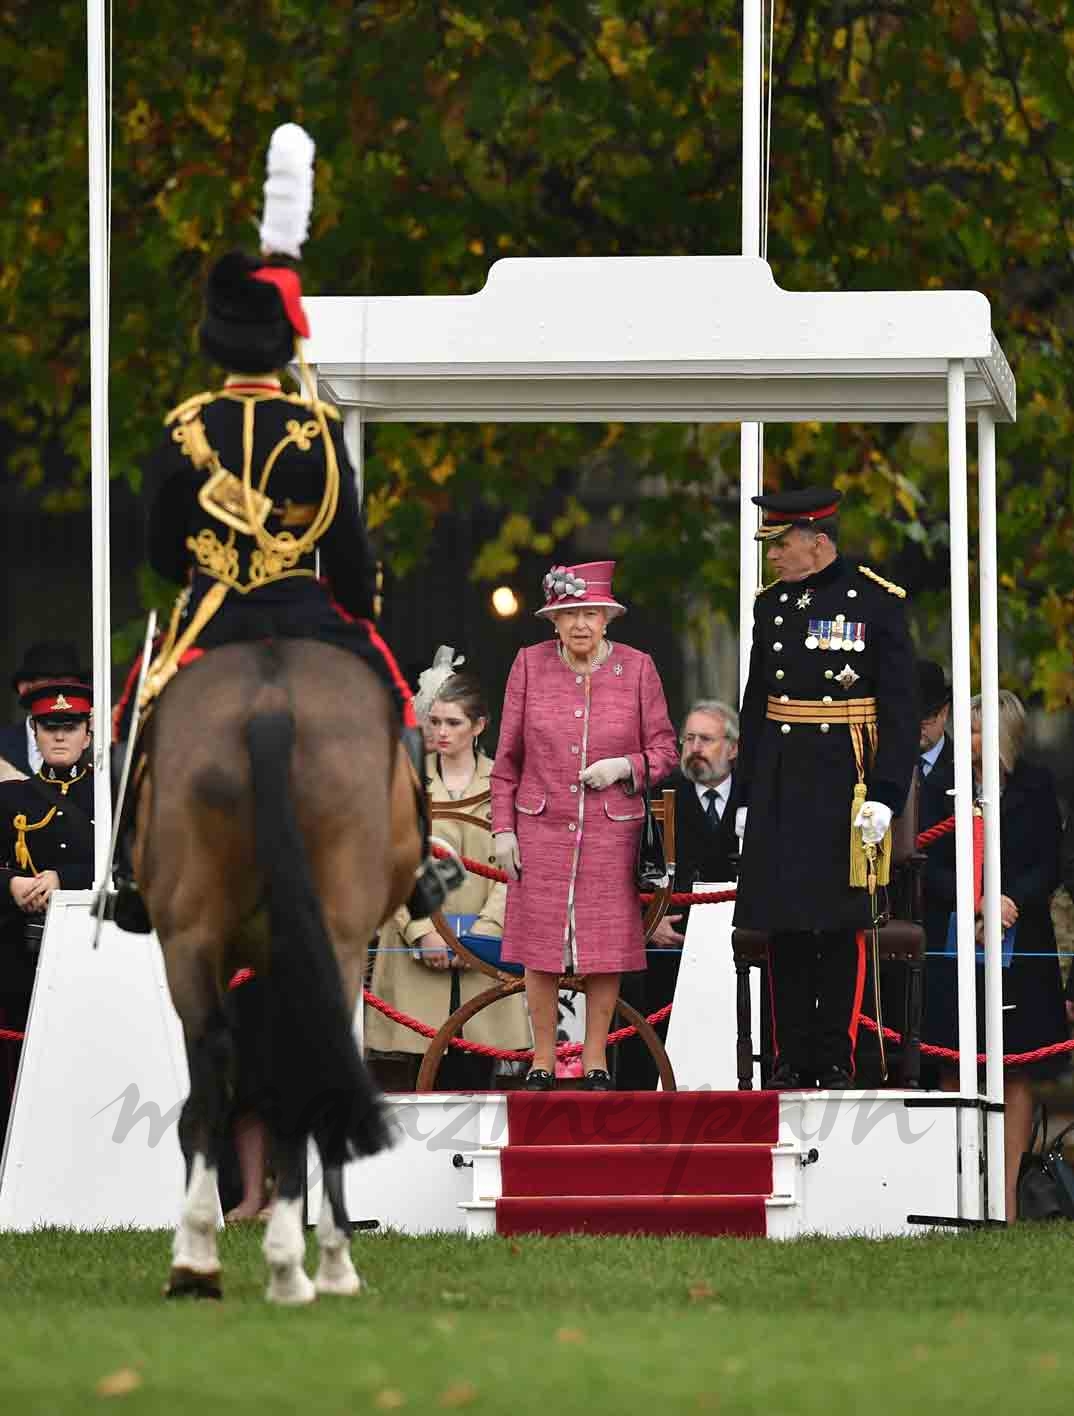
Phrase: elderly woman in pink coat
(584, 724)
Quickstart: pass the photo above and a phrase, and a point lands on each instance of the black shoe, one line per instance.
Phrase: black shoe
(538, 1080)
(597, 1080)
(835, 1079)
(788, 1078)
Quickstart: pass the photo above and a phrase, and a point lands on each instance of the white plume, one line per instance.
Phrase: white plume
(285, 223)
(432, 679)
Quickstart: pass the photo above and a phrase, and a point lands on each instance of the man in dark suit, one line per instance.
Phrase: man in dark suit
(706, 848)
(47, 662)
(936, 764)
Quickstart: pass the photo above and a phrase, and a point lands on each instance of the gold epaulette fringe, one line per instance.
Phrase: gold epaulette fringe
(189, 405)
(889, 585)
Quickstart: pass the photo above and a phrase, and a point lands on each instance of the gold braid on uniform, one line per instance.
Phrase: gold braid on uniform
(889, 585)
(243, 508)
(23, 859)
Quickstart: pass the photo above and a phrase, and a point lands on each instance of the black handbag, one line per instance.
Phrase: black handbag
(651, 871)
(1045, 1180)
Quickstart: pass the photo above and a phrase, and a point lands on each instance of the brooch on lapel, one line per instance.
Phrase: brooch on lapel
(618, 671)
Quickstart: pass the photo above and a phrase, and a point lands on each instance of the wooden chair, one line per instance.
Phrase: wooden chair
(507, 978)
(901, 939)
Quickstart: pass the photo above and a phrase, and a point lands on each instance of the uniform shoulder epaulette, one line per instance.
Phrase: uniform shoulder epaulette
(889, 585)
(328, 409)
(189, 405)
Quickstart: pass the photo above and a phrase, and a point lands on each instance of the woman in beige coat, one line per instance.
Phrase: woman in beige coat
(414, 969)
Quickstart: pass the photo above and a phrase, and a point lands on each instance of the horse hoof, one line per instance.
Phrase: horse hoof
(185, 1283)
(339, 1283)
(290, 1287)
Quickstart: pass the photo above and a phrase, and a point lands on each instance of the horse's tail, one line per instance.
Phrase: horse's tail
(318, 1082)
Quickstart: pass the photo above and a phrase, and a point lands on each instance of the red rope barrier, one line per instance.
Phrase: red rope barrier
(714, 897)
(481, 1049)
(10, 1035)
(950, 1054)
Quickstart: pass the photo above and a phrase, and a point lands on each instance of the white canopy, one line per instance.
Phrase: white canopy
(656, 339)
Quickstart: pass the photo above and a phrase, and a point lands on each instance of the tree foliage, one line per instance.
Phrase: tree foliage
(918, 144)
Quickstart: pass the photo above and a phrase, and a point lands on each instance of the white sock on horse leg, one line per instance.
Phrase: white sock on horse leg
(285, 1249)
(194, 1246)
(336, 1273)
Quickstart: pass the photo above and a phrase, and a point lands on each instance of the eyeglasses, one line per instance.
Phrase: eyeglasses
(702, 739)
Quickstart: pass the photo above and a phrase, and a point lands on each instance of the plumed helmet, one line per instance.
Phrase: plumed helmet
(246, 326)
(253, 306)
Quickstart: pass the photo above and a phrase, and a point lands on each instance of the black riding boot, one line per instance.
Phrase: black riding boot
(126, 907)
(435, 879)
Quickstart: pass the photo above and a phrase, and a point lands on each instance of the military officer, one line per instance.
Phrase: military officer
(829, 734)
(46, 844)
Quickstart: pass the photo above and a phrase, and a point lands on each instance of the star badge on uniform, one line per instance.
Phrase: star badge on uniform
(805, 599)
(846, 677)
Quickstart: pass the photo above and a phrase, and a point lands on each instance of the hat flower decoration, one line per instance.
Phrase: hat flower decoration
(560, 582)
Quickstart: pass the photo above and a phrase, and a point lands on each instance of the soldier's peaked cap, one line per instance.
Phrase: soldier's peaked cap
(803, 507)
(59, 704)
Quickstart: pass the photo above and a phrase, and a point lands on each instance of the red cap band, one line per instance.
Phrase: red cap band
(787, 518)
(288, 284)
(53, 702)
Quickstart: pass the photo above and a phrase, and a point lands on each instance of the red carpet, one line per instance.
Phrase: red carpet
(641, 1118)
(743, 1215)
(637, 1162)
(637, 1170)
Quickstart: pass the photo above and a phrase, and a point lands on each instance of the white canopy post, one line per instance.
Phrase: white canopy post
(97, 124)
(752, 434)
(990, 789)
(354, 438)
(969, 1119)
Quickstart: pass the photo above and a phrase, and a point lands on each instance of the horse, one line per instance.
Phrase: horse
(276, 829)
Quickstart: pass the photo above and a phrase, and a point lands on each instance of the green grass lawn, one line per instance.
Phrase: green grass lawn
(966, 1322)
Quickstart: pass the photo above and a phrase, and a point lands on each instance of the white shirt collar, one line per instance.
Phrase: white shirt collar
(722, 789)
(928, 759)
(33, 752)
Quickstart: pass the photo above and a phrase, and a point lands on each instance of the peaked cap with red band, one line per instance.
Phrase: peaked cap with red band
(785, 510)
(55, 704)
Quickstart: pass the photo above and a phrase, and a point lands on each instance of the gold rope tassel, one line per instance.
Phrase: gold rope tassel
(865, 873)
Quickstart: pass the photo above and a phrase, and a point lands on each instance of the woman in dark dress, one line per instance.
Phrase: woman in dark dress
(1034, 1015)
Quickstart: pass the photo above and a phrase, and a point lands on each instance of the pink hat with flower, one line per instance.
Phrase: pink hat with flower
(568, 586)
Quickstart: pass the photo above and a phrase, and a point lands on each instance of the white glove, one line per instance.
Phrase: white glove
(599, 775)
(505, 844)
(740, 823)
(874, 819)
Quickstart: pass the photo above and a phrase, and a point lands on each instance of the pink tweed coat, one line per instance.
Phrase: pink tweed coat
(578, 846)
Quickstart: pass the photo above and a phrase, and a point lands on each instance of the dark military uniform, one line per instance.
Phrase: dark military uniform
(796, 773)
(46, 823)
(324, 591)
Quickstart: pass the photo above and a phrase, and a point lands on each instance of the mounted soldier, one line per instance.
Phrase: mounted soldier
(276, 825)
(251, 499)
